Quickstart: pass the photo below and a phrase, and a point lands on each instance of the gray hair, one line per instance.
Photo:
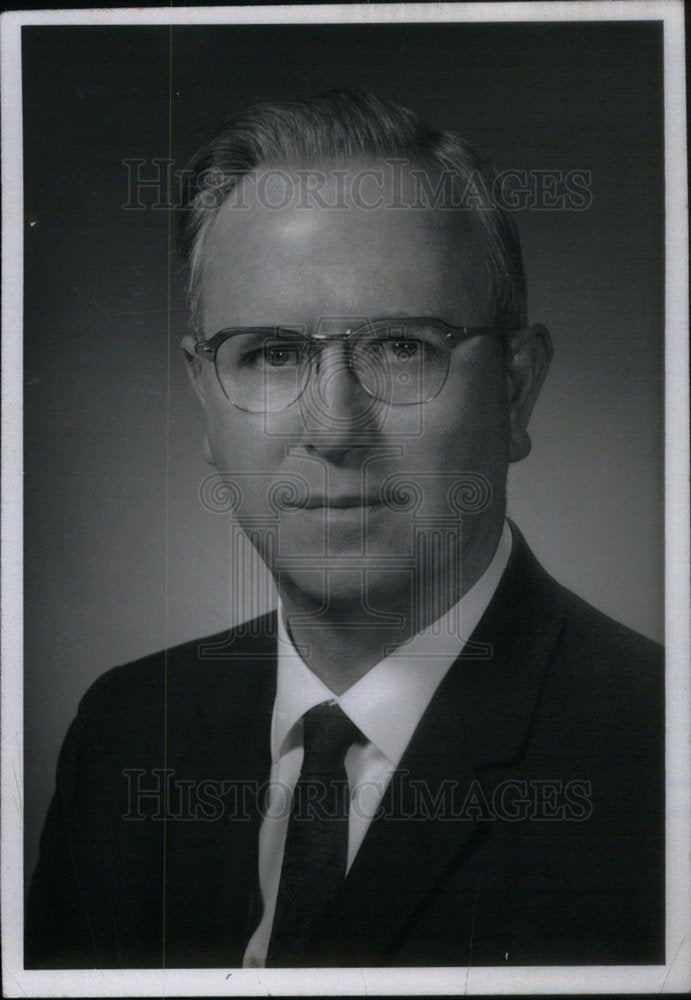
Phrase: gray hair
(338, 127)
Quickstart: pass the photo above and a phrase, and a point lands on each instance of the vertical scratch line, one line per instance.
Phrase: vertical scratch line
(166, 595)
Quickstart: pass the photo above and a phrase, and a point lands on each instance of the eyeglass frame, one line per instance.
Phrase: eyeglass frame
(453, 336)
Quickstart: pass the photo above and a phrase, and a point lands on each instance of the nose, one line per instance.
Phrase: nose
(337, 412)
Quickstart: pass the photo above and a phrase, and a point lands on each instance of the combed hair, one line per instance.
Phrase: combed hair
(336, 128)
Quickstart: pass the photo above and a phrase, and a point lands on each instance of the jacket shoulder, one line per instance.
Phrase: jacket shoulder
(184, 671)
(606, 688)
(588, 631)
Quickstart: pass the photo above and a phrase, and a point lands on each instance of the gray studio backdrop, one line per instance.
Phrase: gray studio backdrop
(120, 554)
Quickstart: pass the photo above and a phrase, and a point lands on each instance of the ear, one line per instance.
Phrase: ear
(193, 364)
(206, 450)
(530, 354)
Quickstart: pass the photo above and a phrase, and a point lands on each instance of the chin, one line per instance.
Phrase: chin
(341, 591)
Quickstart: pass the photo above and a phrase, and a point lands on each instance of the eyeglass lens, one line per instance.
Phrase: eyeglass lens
(399, 364)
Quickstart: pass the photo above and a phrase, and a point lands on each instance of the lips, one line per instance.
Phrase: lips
(345, 502)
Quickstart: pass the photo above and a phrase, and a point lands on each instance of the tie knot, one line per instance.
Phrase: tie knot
(328, 733)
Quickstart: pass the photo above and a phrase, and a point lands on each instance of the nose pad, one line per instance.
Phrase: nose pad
(334, 400)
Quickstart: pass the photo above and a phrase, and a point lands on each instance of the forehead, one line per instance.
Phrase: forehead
(277, 252)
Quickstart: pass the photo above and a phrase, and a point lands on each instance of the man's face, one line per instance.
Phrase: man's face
(328, 270)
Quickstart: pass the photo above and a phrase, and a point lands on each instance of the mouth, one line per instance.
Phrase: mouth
(346, 502)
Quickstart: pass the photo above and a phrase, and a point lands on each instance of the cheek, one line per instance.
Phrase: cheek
(245, 451)
(468, 431)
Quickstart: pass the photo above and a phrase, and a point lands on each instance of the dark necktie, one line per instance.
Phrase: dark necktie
(316, 849)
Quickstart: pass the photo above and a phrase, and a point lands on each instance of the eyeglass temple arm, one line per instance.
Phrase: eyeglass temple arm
(205, 348)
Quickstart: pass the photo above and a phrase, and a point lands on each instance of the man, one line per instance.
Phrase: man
(432, 754)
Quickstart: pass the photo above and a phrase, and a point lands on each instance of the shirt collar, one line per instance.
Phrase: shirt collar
(388, 702)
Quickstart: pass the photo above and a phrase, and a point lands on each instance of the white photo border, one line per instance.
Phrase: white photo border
(676, 974)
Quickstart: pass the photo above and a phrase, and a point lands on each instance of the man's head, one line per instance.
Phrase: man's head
(315, 219)
(332, 131)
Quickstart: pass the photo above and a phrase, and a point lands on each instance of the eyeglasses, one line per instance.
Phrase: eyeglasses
(402, 361)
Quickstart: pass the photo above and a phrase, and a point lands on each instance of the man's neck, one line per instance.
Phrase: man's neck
(348, 641)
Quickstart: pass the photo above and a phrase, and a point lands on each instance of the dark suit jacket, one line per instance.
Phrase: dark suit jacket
(524, 826)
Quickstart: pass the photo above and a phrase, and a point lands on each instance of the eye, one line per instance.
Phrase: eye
(282, 356)
(268, 355)
(405, 341)
(405, 350)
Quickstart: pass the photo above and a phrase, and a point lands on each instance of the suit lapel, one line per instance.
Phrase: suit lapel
(499, 694)
(480, 715)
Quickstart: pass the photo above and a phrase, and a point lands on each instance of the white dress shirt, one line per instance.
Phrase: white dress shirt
(386, 705)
